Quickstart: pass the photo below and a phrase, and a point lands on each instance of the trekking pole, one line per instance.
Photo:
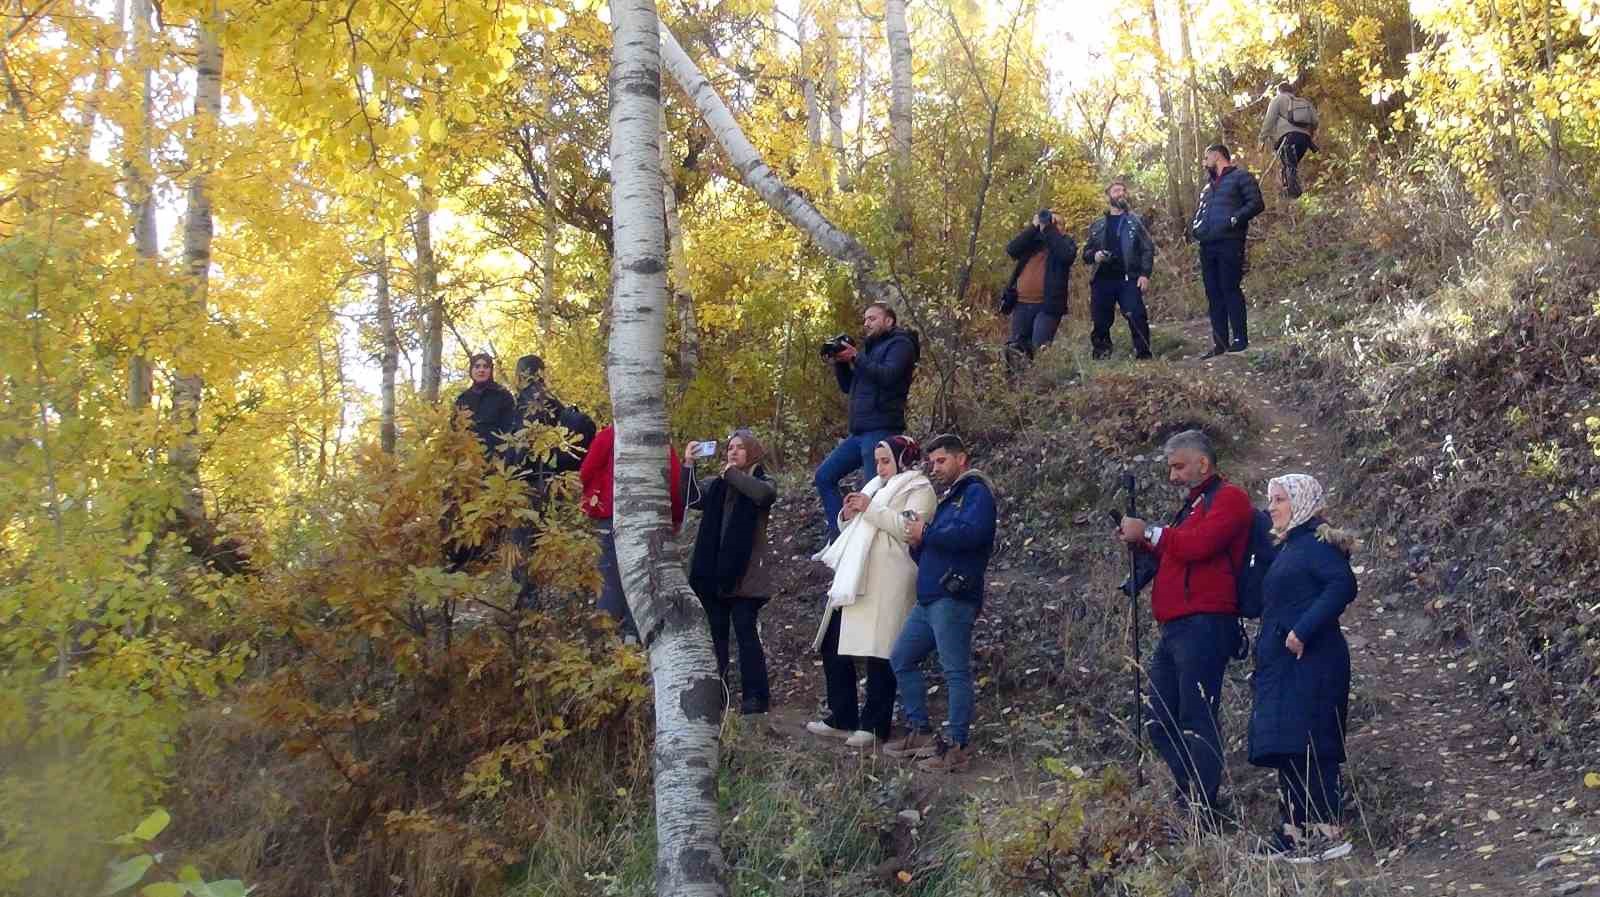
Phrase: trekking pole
(1131, 484)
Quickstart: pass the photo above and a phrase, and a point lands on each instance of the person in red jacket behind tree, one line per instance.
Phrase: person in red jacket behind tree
(598, 477)
(1195, 601)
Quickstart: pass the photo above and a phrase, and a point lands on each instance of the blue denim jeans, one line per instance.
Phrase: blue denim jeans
(1185, 694)
(854, 452)
(945, 626)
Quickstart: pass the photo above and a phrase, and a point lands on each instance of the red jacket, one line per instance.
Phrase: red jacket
(1198, 557)
(598, 478)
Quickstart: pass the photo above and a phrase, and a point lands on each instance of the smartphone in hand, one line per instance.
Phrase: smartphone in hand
(705, 449)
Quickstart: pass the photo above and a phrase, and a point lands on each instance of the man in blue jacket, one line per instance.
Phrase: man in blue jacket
(952, 553)
(1221, 223)
(877, 378)
(1123, 256)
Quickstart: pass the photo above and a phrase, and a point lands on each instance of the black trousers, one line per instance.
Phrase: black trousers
(1308, 791)
(1292, 147)
(1105, 297)
(1222, 270)
(839, 672)
(1185, 695)
(741, 613)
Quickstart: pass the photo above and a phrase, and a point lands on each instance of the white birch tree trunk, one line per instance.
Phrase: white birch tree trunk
(432, 304)
(808, 84)
(141, 193)
(689, 697)
(188, 385)
(389, 360)
(682, 295)
(760, 177)
(830, 78)
(900, 97)
(547, 284)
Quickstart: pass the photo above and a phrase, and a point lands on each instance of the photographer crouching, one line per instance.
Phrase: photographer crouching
(877, 377)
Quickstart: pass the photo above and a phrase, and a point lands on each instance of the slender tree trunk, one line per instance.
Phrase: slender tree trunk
(1191, 93)
(900, 102)
(689, 697)
(1176, 208)
(430, 300)
(1552, 122)
(861, 100)
(188, 386)
(759, 176)
(389, 336)
(547, 284)
(830, 78)
(141, 192)
(682, 295)
(808, 84)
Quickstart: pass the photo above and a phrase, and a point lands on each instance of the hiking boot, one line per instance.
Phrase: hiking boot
(912, 746)
(1142, 356)
(1099, 354)
(1239, 346)
(754, 706)
(951, 758)
(861, 738)
(1319, 847)
(818, 727)
(1215, 351)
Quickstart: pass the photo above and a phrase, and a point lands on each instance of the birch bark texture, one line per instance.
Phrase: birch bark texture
(141, 193)
(900, 96)
(432, 304)
(389, 338)
(689, 697)
(188, 385)
(682, 295)
(759, 176)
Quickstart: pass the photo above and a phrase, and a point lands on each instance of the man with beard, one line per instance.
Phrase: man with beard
(1231, 198)
(1120, 249)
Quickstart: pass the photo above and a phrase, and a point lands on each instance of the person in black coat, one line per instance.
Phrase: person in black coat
(1036, 297)
(493, 408)
(1230, 198)
(1302, 674)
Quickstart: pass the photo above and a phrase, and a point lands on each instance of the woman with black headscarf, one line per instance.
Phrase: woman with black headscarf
(874, 587)
(731, 566)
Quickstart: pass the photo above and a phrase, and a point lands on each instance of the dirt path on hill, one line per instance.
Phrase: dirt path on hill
(1469, 814)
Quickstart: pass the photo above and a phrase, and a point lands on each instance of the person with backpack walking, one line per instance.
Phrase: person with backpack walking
(1302, 671)
(1221, 224)
(1195, 602)
(1123, 256)
(1290, 128)
(731, 567)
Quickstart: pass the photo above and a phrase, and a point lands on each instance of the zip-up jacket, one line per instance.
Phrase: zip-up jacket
(1136, 250)
(879, 380)
(1226, 206)
(1197, 555)
(1063, 251)
(959, 538)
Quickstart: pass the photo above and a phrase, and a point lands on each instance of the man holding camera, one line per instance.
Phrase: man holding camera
(952, 553)
(877, 378)
(1221, 223)
(1036, 297)
(1120, 249)
(1195, 601)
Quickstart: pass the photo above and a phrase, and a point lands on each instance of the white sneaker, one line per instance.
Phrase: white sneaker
(861, 738)
(817, 727)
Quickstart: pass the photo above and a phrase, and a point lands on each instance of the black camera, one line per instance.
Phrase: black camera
(954, 583)
(1045, 217)
(834, 345)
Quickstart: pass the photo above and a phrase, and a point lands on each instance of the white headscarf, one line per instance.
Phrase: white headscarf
(1305, 498)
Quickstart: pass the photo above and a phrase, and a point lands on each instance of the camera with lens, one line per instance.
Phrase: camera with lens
(955, 584)
(834, 345)
(1045, 217)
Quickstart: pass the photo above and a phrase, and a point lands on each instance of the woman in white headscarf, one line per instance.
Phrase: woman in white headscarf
(1302, 674)
(874, 587)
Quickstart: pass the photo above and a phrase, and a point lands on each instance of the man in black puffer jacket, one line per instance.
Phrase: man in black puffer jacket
(1120, 249)
(1036, 297)
(877, 377)
(1221, 223)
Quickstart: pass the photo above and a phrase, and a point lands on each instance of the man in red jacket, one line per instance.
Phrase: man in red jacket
(1195, 601)
(597, 474)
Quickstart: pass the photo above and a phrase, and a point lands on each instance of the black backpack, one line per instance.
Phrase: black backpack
(580, 424)
(1258, 556)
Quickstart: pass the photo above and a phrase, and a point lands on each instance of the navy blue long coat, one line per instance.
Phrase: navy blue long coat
(1302, 704)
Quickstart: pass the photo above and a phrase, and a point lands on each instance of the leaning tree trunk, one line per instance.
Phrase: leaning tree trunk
(141, 190)
(432, 304)
(188, 385)
(894, 24)
(689, 697)
(682, 296)
(389, 337)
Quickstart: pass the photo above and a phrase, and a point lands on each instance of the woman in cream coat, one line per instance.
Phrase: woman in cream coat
(874, 587)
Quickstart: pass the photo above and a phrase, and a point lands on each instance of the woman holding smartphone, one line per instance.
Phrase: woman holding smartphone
(874, 587)
(731, 567)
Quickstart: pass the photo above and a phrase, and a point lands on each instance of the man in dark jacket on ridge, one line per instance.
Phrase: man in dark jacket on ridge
(877, 378)
(952, 553)
(1037, 294)
(1221, 224)
(1195, 601)
(1120, 249)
